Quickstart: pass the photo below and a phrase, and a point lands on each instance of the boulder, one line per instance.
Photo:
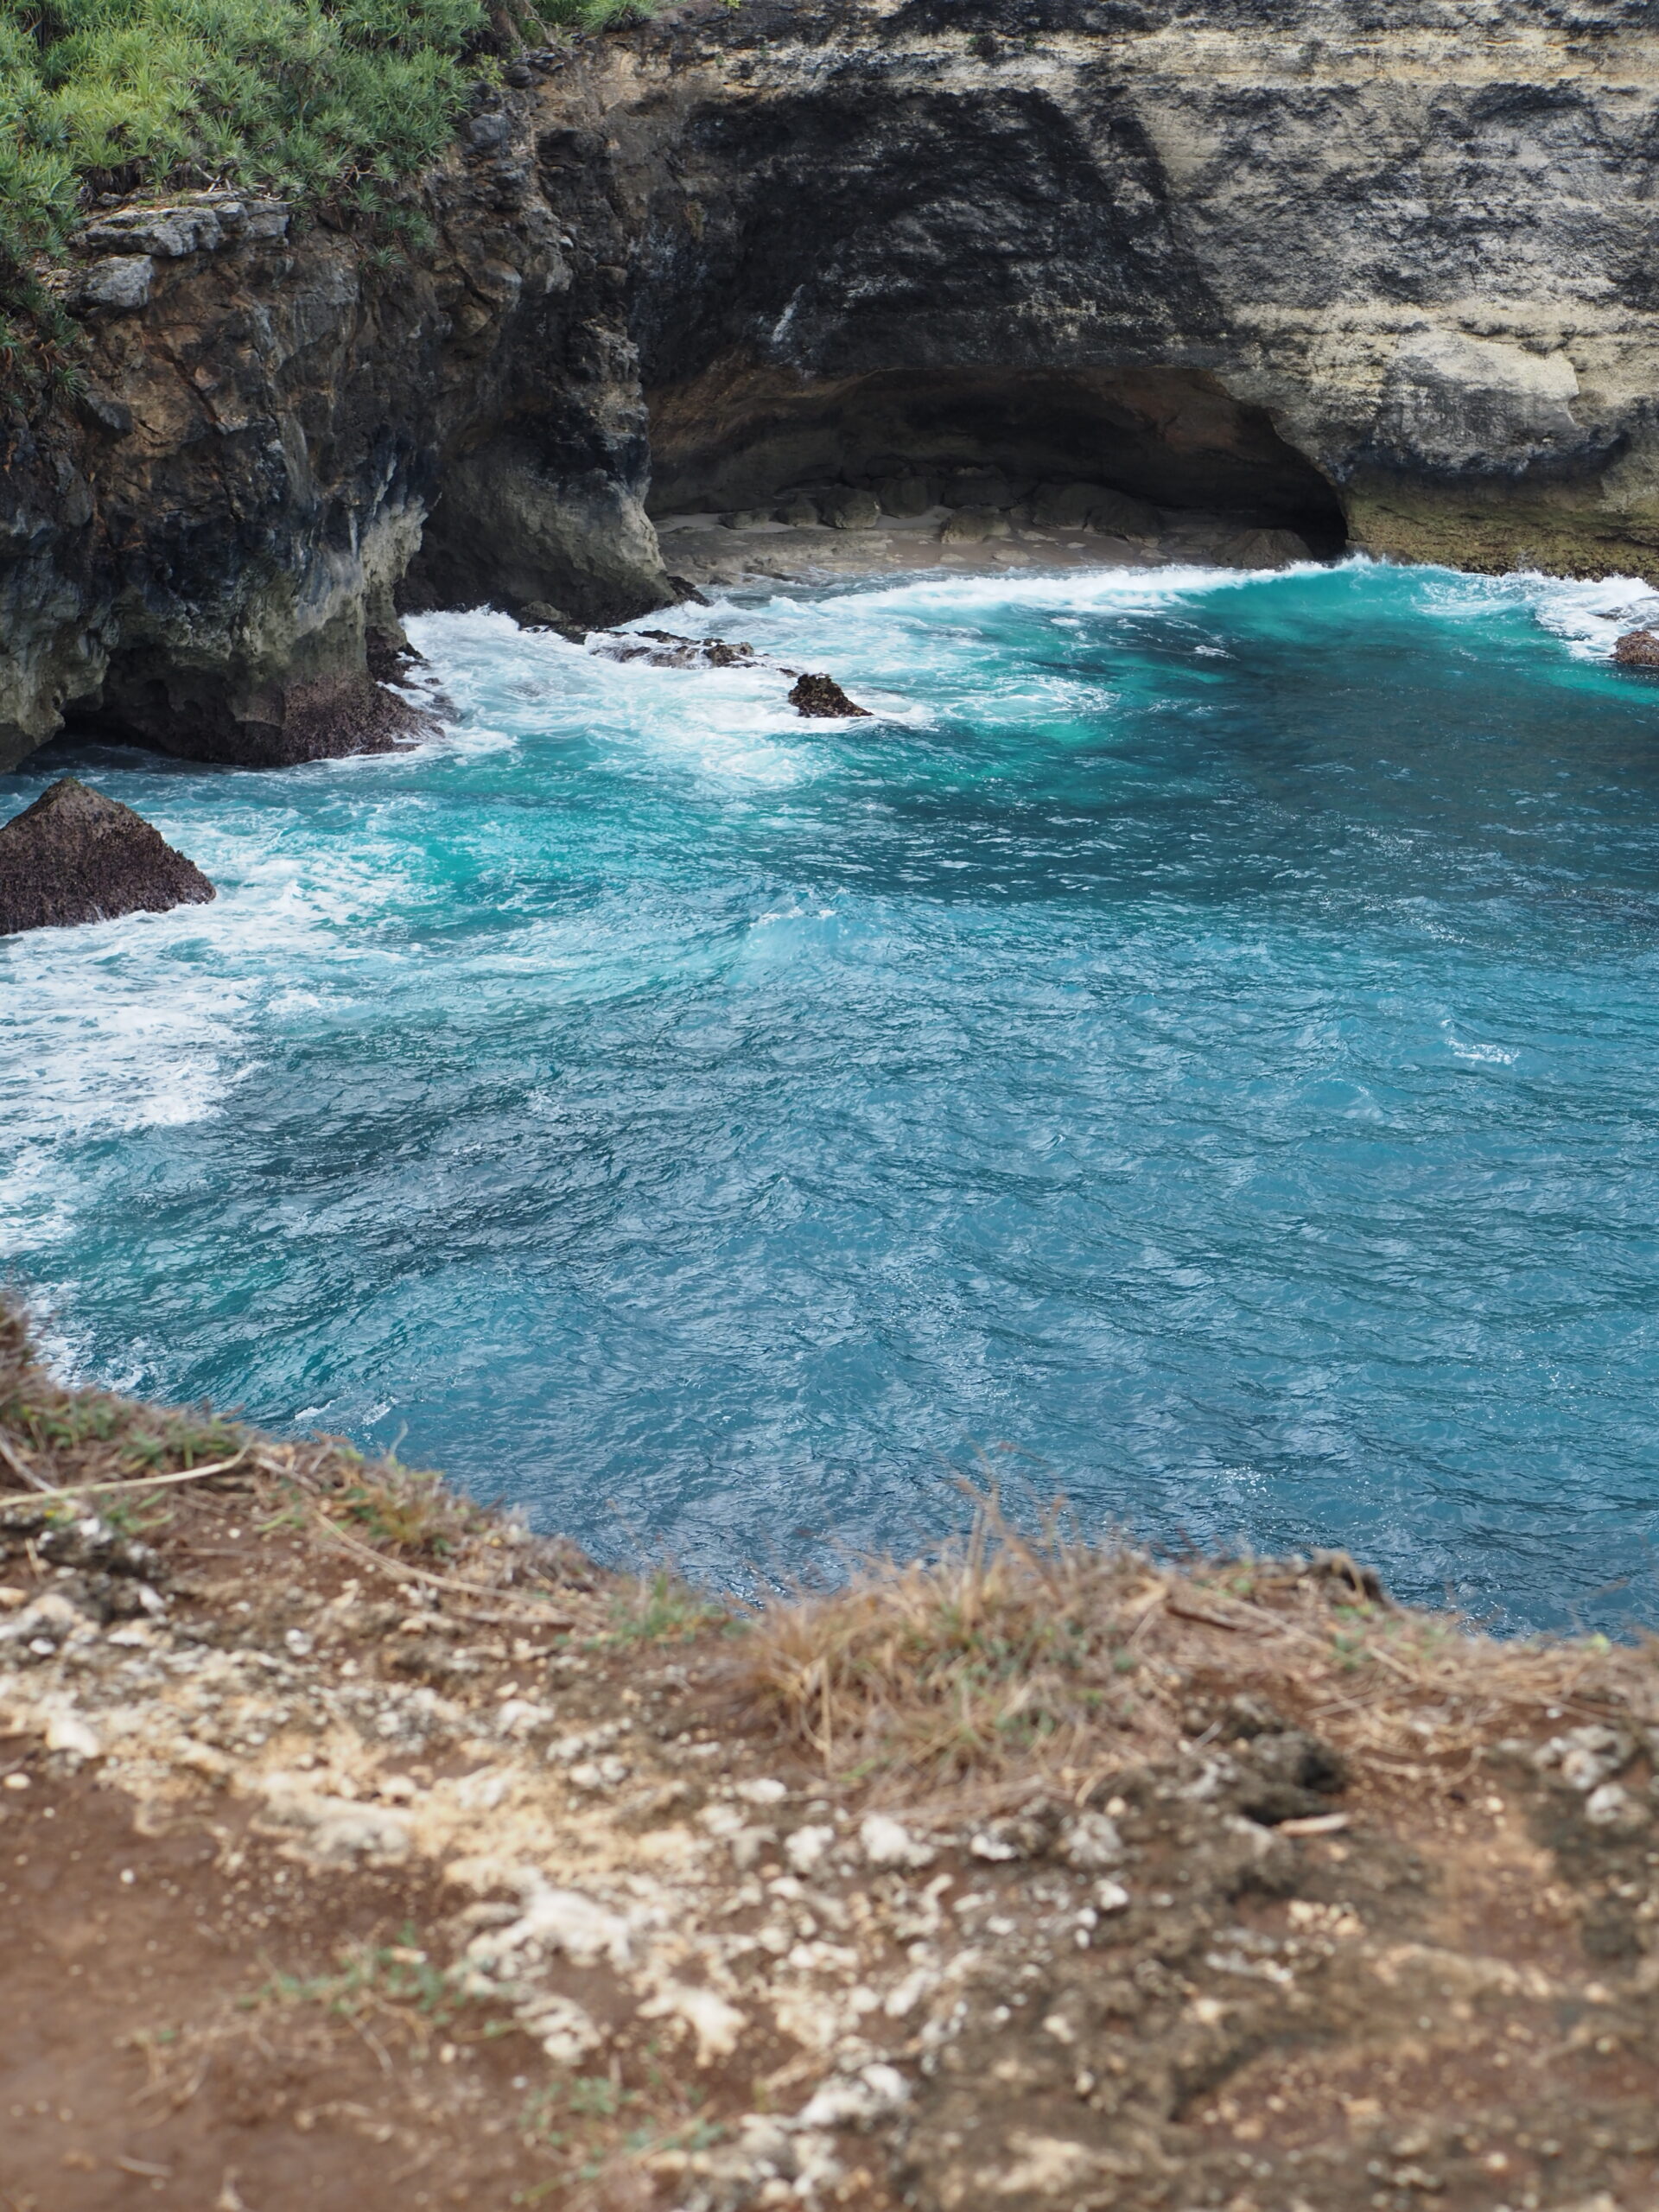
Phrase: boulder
(798, 511)
(76, 857)
(1092, 506)
(1264, 549)
(1062, 506)
(540, 614)
(1118, 514)
(1638, 649)
(821, 696)
(849, 510)
(973, 526)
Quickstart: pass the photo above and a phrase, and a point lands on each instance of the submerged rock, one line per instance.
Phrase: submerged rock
(540, 615)
(1638, 649)
(667, 649)
(822, 695)
(76, 857)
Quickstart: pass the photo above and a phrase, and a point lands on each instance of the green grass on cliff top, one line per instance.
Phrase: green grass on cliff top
(313, 99)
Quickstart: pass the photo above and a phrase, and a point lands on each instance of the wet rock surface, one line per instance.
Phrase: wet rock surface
(1638, 649)
(821, 696)
(667, 649)
(76, 857)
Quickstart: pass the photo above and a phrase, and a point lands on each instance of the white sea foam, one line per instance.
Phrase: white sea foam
(151, 1020)
(1481, 1054)
(1079, 591)
(730, 725)
(1591, 614)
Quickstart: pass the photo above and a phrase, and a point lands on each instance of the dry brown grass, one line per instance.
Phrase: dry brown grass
(1007, 1661)
(121, 1457)
(1011, 1660)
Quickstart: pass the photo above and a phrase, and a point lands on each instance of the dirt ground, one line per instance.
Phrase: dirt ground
(359, 1851)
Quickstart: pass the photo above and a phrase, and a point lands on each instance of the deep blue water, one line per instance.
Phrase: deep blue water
(1196, 1050)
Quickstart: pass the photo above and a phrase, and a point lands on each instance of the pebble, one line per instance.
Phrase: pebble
(64, 1733)
(765, 1790)
(1586, 1758)
(876, 2092)
(1089, 1842)
(887, 1842)
(805, 1849)
(1610, 1805)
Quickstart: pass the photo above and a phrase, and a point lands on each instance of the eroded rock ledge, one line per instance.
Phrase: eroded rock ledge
(350, 1832)
(1388, 285)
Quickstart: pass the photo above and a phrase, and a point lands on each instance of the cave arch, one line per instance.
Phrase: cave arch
(741, 435)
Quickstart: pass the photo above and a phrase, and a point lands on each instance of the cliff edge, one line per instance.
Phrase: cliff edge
(356, 1844)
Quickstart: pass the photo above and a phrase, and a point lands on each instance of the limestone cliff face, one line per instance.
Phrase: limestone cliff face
(1385, 273)
(1419, 239)
(204, 551)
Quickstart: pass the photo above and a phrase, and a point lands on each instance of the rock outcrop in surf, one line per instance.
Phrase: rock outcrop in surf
(77, 856)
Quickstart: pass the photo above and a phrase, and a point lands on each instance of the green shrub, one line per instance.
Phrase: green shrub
(307, 99)
(295, 97)
(324, 102)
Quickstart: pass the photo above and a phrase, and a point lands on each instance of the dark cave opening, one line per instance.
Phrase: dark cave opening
(743, 437)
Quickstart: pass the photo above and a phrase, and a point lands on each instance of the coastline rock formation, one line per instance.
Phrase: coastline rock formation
(667, 649)
(822, 697)
(77, 856)
(1383, 285)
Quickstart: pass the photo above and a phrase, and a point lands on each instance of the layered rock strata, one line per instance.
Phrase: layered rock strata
(1385, 284)
(77, 856)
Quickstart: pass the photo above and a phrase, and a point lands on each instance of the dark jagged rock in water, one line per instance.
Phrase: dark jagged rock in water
(327, 719)
(666, 648)
(391, 656)
(76, 857)
(1638, 649)
(540, 614)
(822, 695)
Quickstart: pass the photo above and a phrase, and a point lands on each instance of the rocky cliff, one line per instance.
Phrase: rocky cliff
(1383, 279)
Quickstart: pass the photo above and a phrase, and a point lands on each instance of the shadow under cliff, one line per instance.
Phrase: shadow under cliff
(741, 435)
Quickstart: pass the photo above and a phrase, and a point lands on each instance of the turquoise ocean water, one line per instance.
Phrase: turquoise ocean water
(1196, 1051)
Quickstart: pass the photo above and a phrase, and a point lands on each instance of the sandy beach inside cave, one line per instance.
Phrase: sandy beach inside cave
(711, 552)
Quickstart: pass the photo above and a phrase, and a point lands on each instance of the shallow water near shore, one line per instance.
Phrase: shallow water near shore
(1196, 1050)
